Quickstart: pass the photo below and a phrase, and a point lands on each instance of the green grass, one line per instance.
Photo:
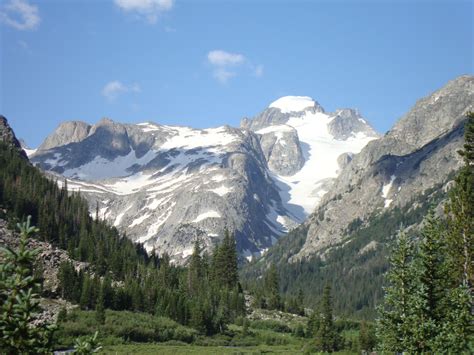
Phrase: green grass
(141, 333)
(164, 349)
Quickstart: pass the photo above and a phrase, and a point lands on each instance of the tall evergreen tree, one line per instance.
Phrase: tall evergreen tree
(195, 270)
(395, 326)
(19, 301)
(456, 333)
(272, 288)
(85, 300)
(428, 295)
(460, 215)
(100, 305)
(326, 336)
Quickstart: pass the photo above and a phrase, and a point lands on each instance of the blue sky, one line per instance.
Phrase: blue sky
(208, 63)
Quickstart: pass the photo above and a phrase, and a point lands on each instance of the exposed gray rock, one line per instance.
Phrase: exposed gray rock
(8, 136)
(344, 159)
(347, 123)
(48, 260)
(67, 132)
(168, 186)
(282, 151)
(419, 153)
(273, 116)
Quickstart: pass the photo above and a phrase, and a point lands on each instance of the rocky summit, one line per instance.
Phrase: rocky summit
(166, 186)
(418, 154)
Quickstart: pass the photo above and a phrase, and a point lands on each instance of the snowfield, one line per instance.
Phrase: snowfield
(320, 149)
(289, 104)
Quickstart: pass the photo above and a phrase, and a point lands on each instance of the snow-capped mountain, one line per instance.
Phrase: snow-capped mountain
(165, 186)
(306, 147)
(417, 157)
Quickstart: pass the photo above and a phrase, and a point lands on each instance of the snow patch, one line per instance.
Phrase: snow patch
(153, 229)
(288, 104)
(276, 129)
(189, 138)
(30, 152)
(103, 212)
(218, 178)
(119, 217)
(187, 252)
(139, 220)
(100, 168)
(222, 190)
(205, 215)
(386, 189)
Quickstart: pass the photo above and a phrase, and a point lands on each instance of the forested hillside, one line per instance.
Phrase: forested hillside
(206, 295)
(354, 269)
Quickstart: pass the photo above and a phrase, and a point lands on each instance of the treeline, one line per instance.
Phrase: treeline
(63, 218)
(355, 274)
(429, 296)
(267, 295)
(206, 295)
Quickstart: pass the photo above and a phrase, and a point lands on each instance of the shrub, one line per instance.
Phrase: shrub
(274, 325)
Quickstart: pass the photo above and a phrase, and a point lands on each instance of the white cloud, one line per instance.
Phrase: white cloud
(112, 90)
(224, 64)
(258, 71)
(222, 58)
(223, 75)
(20, 14)
(148, 9)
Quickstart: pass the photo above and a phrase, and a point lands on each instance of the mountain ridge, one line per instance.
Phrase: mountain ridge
(166, 186)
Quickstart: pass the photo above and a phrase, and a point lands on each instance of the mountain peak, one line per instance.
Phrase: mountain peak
(8, 136)
(348, 122)
(287, 104)
(67, 132)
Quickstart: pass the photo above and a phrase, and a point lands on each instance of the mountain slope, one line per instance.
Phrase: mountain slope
(165, 186)
(418, 153)
(314, 141)
(392, 182)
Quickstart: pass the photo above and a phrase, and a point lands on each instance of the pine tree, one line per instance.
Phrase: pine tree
(85, 300)
(366, 337)
(300, 302)
(431, 265)
(195, 270)
(313, 323)
(428, 295)
(225, 262)
(460, 215)
(100, 305)
(19, 300)
(456, 333)
(326, 336)
(395, 327)
(272, 288)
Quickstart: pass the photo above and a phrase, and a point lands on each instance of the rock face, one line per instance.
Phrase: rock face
(417, 154)
(7, 136)
(282, 150)
(166, 186)
(305, 147)
(67, 132)
(48, 260)
(346, 122)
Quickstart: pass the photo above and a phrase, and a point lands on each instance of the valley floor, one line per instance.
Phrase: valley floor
(193, 349)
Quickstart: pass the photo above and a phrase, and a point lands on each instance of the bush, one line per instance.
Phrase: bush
(274, 325)
(124, 326)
